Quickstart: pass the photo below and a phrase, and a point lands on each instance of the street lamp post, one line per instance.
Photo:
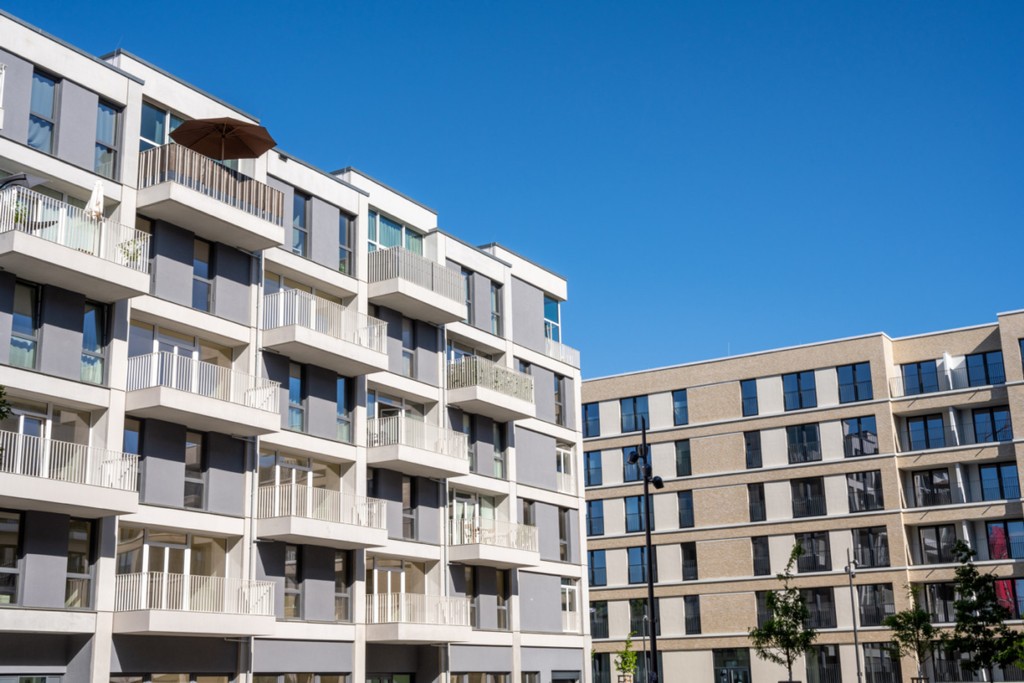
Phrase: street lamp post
(642, 453)
(851, 571)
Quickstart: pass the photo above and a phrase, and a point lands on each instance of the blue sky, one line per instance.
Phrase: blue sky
(713, 178)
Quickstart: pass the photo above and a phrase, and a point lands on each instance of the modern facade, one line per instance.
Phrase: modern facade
(874, 450)
(268, 423)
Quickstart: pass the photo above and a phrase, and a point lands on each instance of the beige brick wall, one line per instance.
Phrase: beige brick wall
(725, 558)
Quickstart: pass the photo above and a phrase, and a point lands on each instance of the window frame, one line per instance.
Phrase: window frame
(18, 566)
(597, 572)
(300, 247)
(684, 458)
(687, 514)
(50, 120)
(592, 519)
(497, 310)
(688, 555)
(748, 400)
(634, 414)
(812, 498)
(88, 577)
(99, 357)
(997, 434)
(32, 341)
(680, 408)
(800, 448)
(1002, 483)
(850, 437)
(921, 372)
(591, 423)
(799, 390)
(636, 518)
(593, 476)
(293, 585)
(199, 473)
(867, 499)
(297, 404)
(113, 148)
(867, 542)
(987, 368)
(199, 280)
(856, 387)
(346, 237)
(752, 449)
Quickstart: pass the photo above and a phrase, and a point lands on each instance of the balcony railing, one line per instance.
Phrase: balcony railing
(32, 456)
(762, 566)
(181, 593)
(165, 369)
(494, 532)
(296, 500)
(570, 622)
(820, 617)
(565, 482)
(873, 615)
(55, 221)
(560, 351)
(809, 506)
(405, 431)
(933, 498)
(295, 307)
(413, 608)
(472, 371)
(177, 164)
(402, 264)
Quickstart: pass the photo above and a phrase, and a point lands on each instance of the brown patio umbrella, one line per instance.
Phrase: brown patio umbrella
(224, 138)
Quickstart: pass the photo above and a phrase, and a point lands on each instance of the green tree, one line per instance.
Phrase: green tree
(625, 659)
(912, 632)
(784, 637)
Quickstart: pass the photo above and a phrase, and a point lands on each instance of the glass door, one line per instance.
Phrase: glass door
(167, 588)
(23, 450)
(175, 366)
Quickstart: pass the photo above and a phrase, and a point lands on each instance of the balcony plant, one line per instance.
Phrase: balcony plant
(131, 251)
(625, 660)
(784, 637)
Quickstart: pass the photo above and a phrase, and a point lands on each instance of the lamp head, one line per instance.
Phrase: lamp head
(634, 456)
(658, 483)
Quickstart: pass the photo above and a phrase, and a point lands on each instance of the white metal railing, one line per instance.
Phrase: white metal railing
(473, 371)
(570, 622)
(296, 500)
(397, 262)
(565, 482)
(165, 369)
(177, 164)
(494, 532)
(32, 456)
(187, 593)
(295, 307)
(55, 221)
(405, 431)
(413, 608)
(560, 351)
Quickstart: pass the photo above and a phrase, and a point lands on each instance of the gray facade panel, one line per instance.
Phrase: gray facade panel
(163, 463)
(487, 658)
(546, 660)
(134, 654)
(321, 402)
(276, 367)
(270, 567)
(225, 458)
(428, 504)
(173, 251)
(540, 603)
(481, 301)
(76, 125)
(17, 98)
(535, 459)
(574, 540)
(547, 531)
(232, 271)
(427, 347)
(527, 315)
(394, 339)
(43, 653)
(61, 319)
(544, 392)
(323, 233)
(572, 411)
(317, 583)
(389, 487)
(45, 563)
(274, 656)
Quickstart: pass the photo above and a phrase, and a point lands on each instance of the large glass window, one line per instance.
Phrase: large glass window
(683, 466)
(879, 664)
(637, 564)
(385, 233)
(808, 497)
(344, 401)
(595, 518)
(752, 448)
(864, 491)
(107, 136)
(591, 420)
(598, 569)
(821, 607)
(634, 413)
(920, 378)
(876, 603)
(689, 555)
(78, 585)
(927, 431)
(804, 443)
(564, 533)
(854, 382)
(552, 319)
(999, 482)
(992, 424)
(640, 620)
(680, 408)
(408, 508)
(10, 552)
(799, 391)
(300, 223)
(25, 326)
(748, 392)
(823, 664)
(497, 324)
(296, 398)
(939, 599)
(635, 514)
(755, 501)
(871, 546)
(559, 394)
(816, 556)
(691, 615)
(202, 277)
(1006, 540)
(346, 264)
(94, 342)
(592, 468)
(599, 619)
(860, 436)
(931, 487)
(195, 471)
(937, 543)
(42, 120)
(408, 347)
(157, 126)
(985, 368)
(685, 509)
(732, 665)
(762, 558)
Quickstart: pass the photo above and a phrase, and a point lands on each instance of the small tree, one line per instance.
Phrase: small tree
(784, 637)
(912, 632)
(625, 659)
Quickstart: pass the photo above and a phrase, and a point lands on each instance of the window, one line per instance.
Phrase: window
(501, 595)
(683, 468)
(920, 378)
(157, 126)
(761, 555)
(408, 508)
(860, 436)
(798, 390)
(821, 608)
(634, 413)
(107, 136)
(595, 518)
(408, 347)
(195, 471)
(564, 527)
(10, 552)
(630, 471)
(601, 669)
(926, 432)
(755, 500)
(985, 368)
(296, 398)
(823, 664)
(691, 610)
(634, 514)
(474, 596)
(292, 583)
(384, 233)
(592, 468)
(748, 392)
(732, 665)
(680, 409)
(300, 223)
(640, 620)
(559, 385)
(598, 570)
(876, 603)
(342, 580)
(816, 556)
(42, 120)
(854, 382)
(552, 319)
(500, 449)
(937, 543)
(1005, 540)
(808, 497)
(78, 586)
(202, 278)
(637, 564)
(599, 619)
(871, 546)
(591, 420)
(1009, 593)
(752, 446)
(931, 487)
(804, 444)
(528, 513)
(467, 290)
(689, 553)
(864, 491)
(879, 664)
(570, 605)
(939, 599)
(685, 509)
(344, 404)
(496, 309)
(992, 424)
(346, 264)
(94, 342)
(24, 326)
(999, 482)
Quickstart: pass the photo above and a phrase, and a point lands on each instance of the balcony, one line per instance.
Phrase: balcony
(413, 618)
(67, 478)
(416, 286)
(177, 604)
(46, 240)
(215, 202)
(493, 543)
(565, 482)
(483, 387)
(204, 396)
(305, 515)
(560, 351)
(416, 448)
(309, 329)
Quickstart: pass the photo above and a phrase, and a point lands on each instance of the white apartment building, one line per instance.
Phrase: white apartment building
(269, 424)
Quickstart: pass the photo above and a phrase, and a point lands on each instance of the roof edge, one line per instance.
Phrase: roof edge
(353, 169)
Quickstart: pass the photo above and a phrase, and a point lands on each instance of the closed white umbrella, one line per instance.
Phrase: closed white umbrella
(94, 209)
